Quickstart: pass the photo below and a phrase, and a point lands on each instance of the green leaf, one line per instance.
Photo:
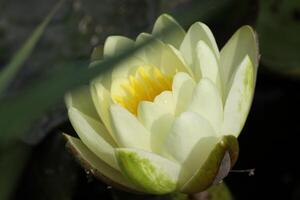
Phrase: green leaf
(11, 69)
(19, 112)
(278, 29)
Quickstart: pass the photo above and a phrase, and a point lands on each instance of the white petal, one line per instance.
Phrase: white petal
(97, 166)
(127, 67)
(242, 43)
(189, 142)
(157, 120)
(102, 101)
(116, 44)
(166, 100)
(153, 173)
(207, 102)
(94, 136)
(207, 65)
(166, 22)
(198, 31)
(182, 88)
(152, 51)
(158, 54)
(81, 99)
(143, 37)
(239, 99)
(117, 88)
(129, 131)
(172, 61)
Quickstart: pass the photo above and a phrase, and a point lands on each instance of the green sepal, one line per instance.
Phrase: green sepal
(216, 167)
(96, 167)
(153, 173)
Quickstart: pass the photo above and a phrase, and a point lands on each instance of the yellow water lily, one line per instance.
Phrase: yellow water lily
(166, 119)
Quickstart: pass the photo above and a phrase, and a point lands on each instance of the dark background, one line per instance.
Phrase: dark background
(37, 166)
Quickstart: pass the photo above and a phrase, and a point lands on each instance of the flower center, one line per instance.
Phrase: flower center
(145, 85)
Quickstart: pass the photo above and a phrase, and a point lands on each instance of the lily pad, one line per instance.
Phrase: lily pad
(278, 29)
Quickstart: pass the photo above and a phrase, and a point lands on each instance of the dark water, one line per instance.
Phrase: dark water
(269, 143)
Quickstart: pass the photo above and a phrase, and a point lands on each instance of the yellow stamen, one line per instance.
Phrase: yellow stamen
(145, 85)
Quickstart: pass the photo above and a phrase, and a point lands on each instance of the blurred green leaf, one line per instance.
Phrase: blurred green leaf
(11, 69)
(14, 156)
(19, 112)
(278, 29)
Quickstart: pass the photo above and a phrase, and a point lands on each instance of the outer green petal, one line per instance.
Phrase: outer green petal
(207, 65)
(116, 44)
(165, 22)
(198, 31)
(239, 99)
(216, 166)
(94, 135)
(151, 172)
(157, 120)
(242, 43)
(190, 140)
(81, 99)
(129, 131)
(207, 102)
(97, 167)
(182, 88)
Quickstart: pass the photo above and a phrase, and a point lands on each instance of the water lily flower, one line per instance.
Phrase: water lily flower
(167, 118)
